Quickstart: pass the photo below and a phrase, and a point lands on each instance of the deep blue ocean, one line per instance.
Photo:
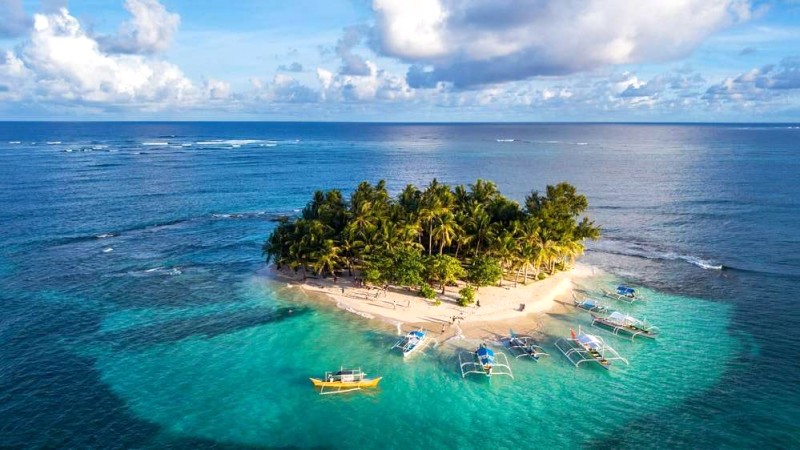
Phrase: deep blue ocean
(135, 311)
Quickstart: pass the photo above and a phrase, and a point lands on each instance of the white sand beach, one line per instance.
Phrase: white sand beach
(501, 307)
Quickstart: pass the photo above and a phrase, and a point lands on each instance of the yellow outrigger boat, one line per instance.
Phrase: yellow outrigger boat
(344, 380)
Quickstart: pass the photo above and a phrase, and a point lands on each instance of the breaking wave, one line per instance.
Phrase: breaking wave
(640, 251)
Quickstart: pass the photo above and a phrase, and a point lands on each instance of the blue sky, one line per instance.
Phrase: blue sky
(401, 60)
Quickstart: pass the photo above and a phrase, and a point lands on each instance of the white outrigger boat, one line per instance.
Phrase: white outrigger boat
(620, 323)
(624, 293)
(344, 380)
(411, 342)
(589, 304)
(484, 361)
(523, 346)
(582, 347)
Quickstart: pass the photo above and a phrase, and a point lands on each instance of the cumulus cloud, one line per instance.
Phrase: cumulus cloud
(283, 89)
(13, 20)
(352, 64)
(67, 64)
(490, 41)
(376, 84)
(149, 30)
(757, 85)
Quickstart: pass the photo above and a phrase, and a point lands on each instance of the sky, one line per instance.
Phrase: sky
(401, 60)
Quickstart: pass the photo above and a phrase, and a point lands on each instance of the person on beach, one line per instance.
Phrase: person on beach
(443, 328)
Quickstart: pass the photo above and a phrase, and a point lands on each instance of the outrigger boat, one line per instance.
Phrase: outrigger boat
(589, 304)
(582, 347)
(624, 293)
(414, 340)
(344, 380)
(618, 322)
(484, 361)
(523, 346)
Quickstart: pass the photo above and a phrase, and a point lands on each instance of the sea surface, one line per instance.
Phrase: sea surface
(136, 311)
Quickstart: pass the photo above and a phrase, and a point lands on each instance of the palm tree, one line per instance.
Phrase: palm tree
(445, 229)
(505, 249)
(327, 258)
(527, 259)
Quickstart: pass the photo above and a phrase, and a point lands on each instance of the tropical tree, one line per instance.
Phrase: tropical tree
(444, 269)
(484, 271)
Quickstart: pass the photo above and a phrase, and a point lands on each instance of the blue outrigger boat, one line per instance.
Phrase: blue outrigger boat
(589, 304)
(624, 293)
(484, 361)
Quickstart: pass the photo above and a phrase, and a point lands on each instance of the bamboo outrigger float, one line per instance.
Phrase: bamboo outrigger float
(484, 361)
(344, 380)
(582, 347)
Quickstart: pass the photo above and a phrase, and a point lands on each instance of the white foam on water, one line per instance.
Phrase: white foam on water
(14, 142)
(155, 144)
(108, 250)
(582, 143)
(505, 140)
(105, 235)
(702, 263)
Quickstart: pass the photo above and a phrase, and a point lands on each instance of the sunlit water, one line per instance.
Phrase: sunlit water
(136, 311)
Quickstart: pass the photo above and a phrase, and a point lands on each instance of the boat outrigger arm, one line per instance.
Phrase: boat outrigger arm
(470, 364)
(578, 354)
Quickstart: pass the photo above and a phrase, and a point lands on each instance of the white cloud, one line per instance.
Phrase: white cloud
(758, 86)
(67, 64)
(150, 29)
(282, 89)
(375, 85)
(488, 41)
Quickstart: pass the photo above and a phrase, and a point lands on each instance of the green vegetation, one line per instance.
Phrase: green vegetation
(436, 235)
(467, 296)
(427, 291)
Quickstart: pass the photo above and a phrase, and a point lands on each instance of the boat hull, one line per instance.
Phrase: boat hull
(372, 382)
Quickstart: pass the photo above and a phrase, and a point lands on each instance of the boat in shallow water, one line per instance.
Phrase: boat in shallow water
(624, 293)
(484, 361)
(620, 323)
(412, 342)
(344, 380)
(521, 346)
(583, 347)
(589, 304)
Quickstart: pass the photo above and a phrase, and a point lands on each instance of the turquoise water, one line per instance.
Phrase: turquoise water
(250, 387)
(137, 313)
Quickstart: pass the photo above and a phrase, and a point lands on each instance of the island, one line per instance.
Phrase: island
(437, 257)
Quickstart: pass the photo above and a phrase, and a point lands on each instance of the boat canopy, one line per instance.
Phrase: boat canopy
(485, 354)
(590, 341)
(625, 290)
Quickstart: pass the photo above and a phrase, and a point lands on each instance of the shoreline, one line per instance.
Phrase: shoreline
(501, 307)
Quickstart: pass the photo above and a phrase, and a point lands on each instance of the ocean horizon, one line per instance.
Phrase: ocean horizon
(138, 311)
